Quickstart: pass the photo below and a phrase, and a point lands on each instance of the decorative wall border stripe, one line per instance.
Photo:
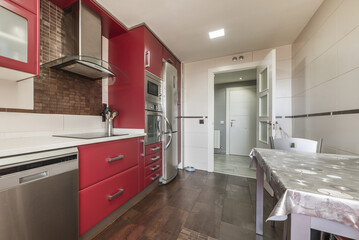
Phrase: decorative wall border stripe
(352, 111)
(342, 112)
(192, 117)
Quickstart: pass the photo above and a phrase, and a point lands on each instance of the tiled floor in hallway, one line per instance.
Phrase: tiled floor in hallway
(196, 205)
(233, 165)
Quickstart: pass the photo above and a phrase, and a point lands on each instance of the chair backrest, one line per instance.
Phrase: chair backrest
(296, 144)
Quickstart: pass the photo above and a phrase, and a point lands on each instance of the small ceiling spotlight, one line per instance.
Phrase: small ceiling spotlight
(241, 58)
(234, 59)
(240, 78)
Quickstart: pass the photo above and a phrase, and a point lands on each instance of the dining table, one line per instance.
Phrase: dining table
(314, 191)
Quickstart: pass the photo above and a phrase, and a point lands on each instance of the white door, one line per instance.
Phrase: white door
(241, 120)
(266, 78)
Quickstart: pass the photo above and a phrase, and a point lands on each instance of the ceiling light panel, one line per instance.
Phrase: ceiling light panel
(216, 34)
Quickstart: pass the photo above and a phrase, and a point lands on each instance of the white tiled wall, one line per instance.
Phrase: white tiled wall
(17, 94)
(325, 76)
(196, 99)
(32, 122)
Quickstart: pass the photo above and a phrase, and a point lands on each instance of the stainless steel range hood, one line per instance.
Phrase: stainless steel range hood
(82, 44)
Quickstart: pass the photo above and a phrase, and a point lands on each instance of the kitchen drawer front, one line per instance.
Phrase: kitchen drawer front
(153, 177)
(153, 148)
(153, 167)
(153, 158)
(95, 203)
(102, 160)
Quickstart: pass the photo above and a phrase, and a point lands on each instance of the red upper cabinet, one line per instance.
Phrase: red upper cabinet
(153, 54)
(30, 5)
(166, 55)
(20, 36)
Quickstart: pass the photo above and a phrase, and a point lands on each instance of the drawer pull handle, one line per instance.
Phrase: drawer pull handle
(111, 197)
(115, 158)
(155, 149)
(155, 158)
(155, 177)
(155, 168)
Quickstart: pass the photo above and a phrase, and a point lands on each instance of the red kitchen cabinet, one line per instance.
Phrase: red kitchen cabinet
(102, 160)
(30, 5)
(150, 169)
(98, 201)
(153, 177)
(167, 56)
(153, 163)
(141, 165)
(132, 52)
(153, 54)
(109, 176)
(20, 38)
(153, 157)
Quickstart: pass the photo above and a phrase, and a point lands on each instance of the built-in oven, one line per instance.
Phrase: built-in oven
(153, 108)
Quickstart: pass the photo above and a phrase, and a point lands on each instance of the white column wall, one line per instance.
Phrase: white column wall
(195, 93)
(325, 76)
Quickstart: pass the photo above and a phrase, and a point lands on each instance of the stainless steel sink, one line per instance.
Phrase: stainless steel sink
(89, 135)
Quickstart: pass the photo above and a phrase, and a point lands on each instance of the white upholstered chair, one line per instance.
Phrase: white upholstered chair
(296, 144)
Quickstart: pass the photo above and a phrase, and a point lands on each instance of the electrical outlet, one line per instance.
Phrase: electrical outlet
(201, 121)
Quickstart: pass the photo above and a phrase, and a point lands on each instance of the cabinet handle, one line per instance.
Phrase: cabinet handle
(148, 59)
(115, 158)
(155, 177)
(155, 149)
(111, 197)
(33, 177)
(155, 168)
(143, 147)
(155, 158)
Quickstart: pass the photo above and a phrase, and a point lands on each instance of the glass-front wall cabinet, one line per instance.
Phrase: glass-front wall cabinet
(18, 38)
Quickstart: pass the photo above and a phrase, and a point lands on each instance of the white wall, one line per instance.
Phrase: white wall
(23, 124)
(326, 76)
(195, 94)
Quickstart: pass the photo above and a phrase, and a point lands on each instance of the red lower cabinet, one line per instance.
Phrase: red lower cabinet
(153, 167)
(102, 160)
(153, 177)
(99, 200)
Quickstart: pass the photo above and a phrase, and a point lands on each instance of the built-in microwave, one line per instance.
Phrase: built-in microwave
(153, 108)
(153, 88)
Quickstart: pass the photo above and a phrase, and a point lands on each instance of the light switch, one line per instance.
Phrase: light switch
(201, 121)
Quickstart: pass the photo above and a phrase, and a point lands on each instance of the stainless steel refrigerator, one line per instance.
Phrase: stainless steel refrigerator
(170, 113)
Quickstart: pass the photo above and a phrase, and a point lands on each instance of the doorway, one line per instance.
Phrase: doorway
(234, 121)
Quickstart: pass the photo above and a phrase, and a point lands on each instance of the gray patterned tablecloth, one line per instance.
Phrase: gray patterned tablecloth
(314, 184)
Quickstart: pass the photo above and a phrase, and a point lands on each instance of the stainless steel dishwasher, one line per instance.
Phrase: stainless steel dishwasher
(39, 196)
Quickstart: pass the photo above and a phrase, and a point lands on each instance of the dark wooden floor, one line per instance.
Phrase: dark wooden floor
(197, 205)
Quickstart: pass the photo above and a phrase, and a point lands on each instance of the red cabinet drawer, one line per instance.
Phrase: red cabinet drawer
(153, 148)
(95, 203)
(153, 157)
(153, 177)
(153, 167)
(102, 160)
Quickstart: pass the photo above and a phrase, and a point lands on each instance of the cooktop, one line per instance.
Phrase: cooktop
(89, 135)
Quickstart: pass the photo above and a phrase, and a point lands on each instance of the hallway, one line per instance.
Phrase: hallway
(233, 165)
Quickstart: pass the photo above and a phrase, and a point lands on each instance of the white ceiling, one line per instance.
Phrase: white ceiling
(246, 75)
(183, 25)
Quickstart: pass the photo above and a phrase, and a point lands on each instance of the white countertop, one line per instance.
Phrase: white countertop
(16, 145)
